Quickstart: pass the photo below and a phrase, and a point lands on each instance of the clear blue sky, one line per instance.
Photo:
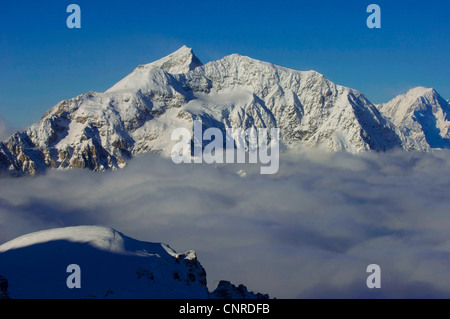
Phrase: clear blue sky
(43, 62)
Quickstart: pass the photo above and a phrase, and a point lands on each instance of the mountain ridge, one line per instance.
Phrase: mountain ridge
(102, 131)
(112, 266)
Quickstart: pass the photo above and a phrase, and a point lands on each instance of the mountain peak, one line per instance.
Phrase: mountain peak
(419, 91)
(181, 61)
(422, 116)
(410, 101)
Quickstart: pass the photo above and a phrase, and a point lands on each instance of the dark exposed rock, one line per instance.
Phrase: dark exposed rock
(4, 288)
(226, 290)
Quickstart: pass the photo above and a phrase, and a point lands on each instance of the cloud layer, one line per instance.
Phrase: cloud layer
(309, 231)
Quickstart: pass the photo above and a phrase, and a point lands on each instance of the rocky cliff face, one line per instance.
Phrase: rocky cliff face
(102, 131)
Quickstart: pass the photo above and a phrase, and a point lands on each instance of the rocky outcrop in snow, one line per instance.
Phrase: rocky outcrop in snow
(226, 290)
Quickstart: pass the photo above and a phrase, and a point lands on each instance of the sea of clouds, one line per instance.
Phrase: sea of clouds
(309, 231)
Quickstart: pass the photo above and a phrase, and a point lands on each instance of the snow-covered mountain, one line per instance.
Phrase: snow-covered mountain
(102, 131)
(423, 118)
(112, 265)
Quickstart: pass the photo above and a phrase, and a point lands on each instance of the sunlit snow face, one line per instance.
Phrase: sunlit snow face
(308, 231)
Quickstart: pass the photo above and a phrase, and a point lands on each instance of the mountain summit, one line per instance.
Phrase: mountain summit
(102, 131)
(423, 118)
(181, 61)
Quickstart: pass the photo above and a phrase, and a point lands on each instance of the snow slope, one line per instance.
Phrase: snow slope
(112, 266)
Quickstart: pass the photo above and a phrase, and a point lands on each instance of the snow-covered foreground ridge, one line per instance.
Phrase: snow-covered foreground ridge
(112, 266)
(102, 131)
